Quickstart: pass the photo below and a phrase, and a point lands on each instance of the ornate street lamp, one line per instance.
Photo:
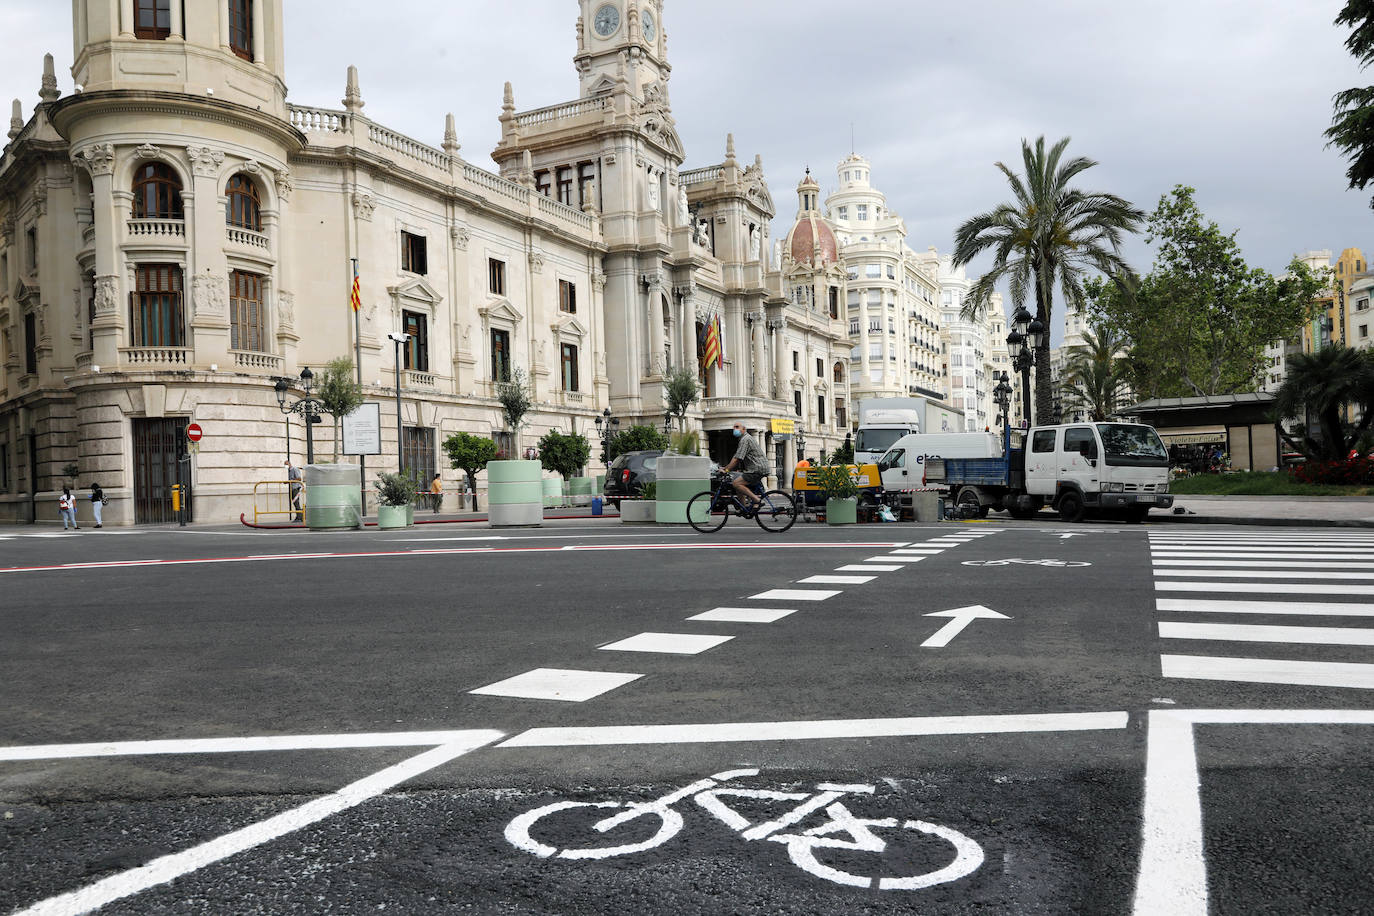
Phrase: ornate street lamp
(307, 407)
(607, 427)
(1002, 396)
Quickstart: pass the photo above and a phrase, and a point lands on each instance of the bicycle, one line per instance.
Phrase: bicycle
(842, 832)
(709, 510)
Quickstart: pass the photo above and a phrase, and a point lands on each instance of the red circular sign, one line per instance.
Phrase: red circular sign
(194, 432)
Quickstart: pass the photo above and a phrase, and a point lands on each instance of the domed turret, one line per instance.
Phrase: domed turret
(811, 240)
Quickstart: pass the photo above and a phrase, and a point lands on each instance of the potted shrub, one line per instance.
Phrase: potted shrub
(641, 510)
(395, 496)
(840, 493)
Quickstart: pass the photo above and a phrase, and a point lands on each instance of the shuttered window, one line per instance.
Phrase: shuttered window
(247, 327)
(157, 310)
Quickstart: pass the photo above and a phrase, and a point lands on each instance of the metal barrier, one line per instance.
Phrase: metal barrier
(273, 497)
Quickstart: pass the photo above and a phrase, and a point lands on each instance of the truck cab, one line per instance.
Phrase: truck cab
(1109, 466)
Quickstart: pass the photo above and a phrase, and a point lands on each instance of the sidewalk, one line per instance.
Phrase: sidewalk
(1277, 511)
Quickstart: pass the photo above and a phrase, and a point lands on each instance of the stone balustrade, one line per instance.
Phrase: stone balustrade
(702, 176)
(554, 113)
(155, 356)
(248, 238)
(421, 380)
(318, 120)
(247, 359)
(157, 230)
(414, 149)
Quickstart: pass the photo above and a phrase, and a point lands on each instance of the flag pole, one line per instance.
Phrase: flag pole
(358, 370)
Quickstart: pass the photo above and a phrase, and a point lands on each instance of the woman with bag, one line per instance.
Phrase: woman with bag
(97, 503)
(66, 505)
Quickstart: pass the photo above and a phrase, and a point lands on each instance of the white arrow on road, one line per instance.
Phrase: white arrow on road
(962, 618)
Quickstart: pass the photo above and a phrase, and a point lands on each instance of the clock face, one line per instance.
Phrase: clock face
(650, 29)
(607, 21)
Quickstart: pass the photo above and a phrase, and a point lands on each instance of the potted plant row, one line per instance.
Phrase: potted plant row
(840, 492)
(395, 500)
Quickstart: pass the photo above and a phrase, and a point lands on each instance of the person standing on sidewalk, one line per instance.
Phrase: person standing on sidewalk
(436, 492)
(66, 505)
(97, 504)
(293, 478)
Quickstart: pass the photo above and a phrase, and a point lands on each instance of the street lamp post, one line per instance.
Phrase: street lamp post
(307, 407)
(398, 339)
(607, 427)
(801, 442)
(1022, 343)
(1002, 396)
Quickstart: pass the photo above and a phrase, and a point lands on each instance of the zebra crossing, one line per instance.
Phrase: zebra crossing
(1232, 577)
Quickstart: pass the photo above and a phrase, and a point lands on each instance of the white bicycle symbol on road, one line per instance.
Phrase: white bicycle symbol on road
(1057, 564)
(842, 831)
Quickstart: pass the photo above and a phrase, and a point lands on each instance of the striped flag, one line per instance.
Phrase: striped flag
(356, 299)
(715, 350)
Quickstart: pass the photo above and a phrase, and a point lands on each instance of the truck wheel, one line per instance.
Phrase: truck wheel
(1023, 514)
(970, 505)
(1071, 508)
(1137, 514)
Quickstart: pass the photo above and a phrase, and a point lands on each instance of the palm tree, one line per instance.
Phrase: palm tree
(1049, 235)
(1094, 376)
(1318, 387)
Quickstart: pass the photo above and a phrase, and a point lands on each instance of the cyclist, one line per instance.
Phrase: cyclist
(747, 468)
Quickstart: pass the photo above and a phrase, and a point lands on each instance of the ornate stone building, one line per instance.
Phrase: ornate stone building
(175, 238)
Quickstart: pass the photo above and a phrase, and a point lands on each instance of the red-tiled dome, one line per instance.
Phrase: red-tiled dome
(801, 241)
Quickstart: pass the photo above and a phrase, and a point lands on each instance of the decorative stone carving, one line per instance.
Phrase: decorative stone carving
(106, 296)
(251, 167)
(40, 196)
(686, 290)
(205, 161)
(683, 216)
(148, 151)
(284, 184)
(460, 236)
(98, 159)
(286, 311)
(755, 243)
(537, 261)
(652, 281)
(777, 324)
(599, 281)
(209, 296)
(653, 189)
(600, 364)
(363, 205)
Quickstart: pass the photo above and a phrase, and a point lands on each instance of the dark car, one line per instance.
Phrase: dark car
(629, 474)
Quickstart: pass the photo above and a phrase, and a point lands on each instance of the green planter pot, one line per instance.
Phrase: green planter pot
(410, 515)
(638, 511)
(679, 478)
(391, 517)
(841, 511)
(515, 494)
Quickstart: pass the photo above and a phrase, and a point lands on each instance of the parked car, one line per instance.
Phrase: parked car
(629, 474)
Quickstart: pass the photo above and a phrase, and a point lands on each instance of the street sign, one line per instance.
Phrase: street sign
(194, 432)
(362, 431)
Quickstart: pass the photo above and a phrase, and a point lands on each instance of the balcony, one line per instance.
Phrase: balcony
(153, 357)
(248, 359)
(157, 231)
(247, 238)
(423, 380)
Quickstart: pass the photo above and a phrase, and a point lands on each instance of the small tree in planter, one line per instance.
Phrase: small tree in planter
(514, 395)
(565, 455)
(470, 454)
(395, 493)
(680, 391)
(840, 492)
(636, 439)
(339, 394)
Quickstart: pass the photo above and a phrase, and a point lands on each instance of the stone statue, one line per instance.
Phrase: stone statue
(653, 191)
(755, 242)
(684, 217)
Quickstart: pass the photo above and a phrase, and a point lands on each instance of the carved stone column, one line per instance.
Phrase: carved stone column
(653, 283)
(208, 283)
(758, 377)
(780, 356)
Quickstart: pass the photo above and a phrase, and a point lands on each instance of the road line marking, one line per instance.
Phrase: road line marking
(1228, 632)
(1173, 870)
(913, 552)
(837, 580)
(1259, 574)
(868, 567)
(1315, 554)
(667, 643)
(273, 743)
(1265, 588)
(562, 684)
(744, 615)
(731, 732)
(170, 867)
(793, 594)
(897, 558)
(1297, 608)
(1261, 564)
(1268, 671)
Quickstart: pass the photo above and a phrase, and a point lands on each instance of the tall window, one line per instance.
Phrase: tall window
(567, 297)
(586, 175)
(31, 238)
(565, 185)
(820, 368)
(834, 302)
(241, 28)
(31, 344)
(157, 192)
(414, 257)
(543, 182)
(496, 276)
(417, 453)
(500, 356)
(152, 18)
(417, 348)
(796, 402)
(569, 367)
(244, 210)
(247, 329)
(4, 468)
(820, 409)
(157, 318)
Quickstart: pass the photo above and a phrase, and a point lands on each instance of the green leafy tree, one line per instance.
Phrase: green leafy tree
(516, 402)
(1049, 236)
(564, 454)
(1318, 388)
(1198, 324)
(636, 439)
(339, 394)
(470, 454)
(1093, 374)
(844, 454)
(680, 391)
(1352, 119)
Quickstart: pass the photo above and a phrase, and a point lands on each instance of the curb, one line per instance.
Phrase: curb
(1264, 522)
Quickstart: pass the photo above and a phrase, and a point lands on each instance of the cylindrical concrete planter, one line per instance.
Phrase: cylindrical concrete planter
(515, 494)
(333, 496)
(390, 517)
(581, 490)
(553, 492)
(680, 477)
(841, 511)
(410, 516)
(638, 511)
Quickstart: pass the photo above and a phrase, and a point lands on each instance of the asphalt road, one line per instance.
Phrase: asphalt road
(449, 720)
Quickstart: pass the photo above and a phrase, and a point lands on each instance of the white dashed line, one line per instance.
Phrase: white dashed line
(667, 643)
(569, 686)
(837, 580)
(869, 567)
(744, 615)
(793, 594)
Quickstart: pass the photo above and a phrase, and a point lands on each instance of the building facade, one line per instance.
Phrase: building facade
(175, 238)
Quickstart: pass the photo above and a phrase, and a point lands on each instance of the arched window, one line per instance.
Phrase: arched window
(244, 210)
(157, 192)
(152, 18)
(839, 373)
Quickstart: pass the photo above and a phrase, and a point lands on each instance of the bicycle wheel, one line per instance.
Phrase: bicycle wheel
(702, 518)
(777, 512)
(519, 835)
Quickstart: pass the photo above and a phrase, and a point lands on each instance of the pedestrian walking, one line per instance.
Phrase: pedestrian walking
(66, 505)
(97, 504)
(436, 492)
(293, 477)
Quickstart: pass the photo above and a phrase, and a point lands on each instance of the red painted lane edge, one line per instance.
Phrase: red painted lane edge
(437, 521)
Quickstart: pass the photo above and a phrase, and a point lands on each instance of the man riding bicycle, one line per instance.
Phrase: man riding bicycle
(747, 468)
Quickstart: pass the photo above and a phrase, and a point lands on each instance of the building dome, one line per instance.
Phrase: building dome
(811, 240)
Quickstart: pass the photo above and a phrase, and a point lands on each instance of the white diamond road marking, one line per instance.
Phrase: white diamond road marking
(1269, 671)
(744, 615)
(917, 552)
(895, 558)
(569, 686)
(667, 643)
(837, 580)
(868, 567)
(794, 594)
(1228, 632)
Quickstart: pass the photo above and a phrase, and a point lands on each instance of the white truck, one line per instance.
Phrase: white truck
(1074, 469)
(903, 466)
(882, 421)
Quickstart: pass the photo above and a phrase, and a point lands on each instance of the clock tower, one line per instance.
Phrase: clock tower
(616, 37)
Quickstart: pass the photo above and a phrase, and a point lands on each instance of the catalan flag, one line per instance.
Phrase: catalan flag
(714, 355)
(356, 299)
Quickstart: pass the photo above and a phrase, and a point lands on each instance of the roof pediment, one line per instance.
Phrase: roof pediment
(500, 309)
(416, 289)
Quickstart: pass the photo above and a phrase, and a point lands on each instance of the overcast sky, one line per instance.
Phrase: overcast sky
(1229, 96)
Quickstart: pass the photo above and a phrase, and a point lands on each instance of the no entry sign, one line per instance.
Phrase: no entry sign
(194, 432)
